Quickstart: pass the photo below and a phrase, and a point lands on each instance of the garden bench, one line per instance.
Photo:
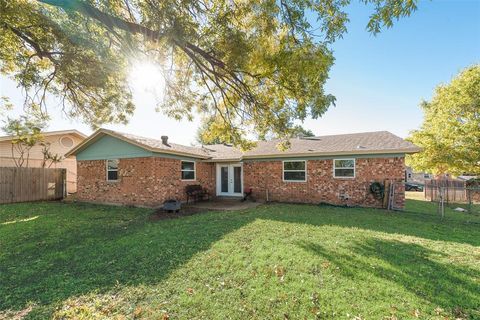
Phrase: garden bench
(196, 192)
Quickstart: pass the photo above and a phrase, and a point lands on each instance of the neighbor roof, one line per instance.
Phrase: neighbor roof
(52, 133)
(380, 142)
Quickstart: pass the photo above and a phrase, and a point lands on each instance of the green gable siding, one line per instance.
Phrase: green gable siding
(108, 147)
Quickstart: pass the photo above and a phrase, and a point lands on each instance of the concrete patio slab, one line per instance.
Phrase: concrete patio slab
(224, 205)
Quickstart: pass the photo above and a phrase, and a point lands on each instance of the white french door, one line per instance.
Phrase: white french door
(229, 180)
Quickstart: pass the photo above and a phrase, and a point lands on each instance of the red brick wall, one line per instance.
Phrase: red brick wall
(150, 181)
(142, 181)
(321, 186)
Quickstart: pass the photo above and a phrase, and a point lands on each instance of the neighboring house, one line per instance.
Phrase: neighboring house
(121, 168)
(417, 177)
(60, 142)
(467, 177)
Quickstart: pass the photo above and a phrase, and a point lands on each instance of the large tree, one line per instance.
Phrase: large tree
(207, 133)
(450, 133)
(258, 65)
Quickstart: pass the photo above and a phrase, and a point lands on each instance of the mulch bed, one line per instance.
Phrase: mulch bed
(161, 214)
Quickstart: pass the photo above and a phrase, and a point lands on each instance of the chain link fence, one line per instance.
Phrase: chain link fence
(455, 194)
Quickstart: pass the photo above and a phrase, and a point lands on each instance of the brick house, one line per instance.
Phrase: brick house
(114, 167)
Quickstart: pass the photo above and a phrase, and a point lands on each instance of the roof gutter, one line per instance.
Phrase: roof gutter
(316, 154)
(223, 160)
(323, 154)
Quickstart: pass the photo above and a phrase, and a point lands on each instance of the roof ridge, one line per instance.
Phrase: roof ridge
(256, 141)
(349, 134)
(149, 138)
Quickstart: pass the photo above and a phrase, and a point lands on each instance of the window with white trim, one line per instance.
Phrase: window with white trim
(344, 168)
(295, 171)
(112, 170)
(188, 170)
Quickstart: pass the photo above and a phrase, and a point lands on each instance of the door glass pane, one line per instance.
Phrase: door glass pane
(224, 179)
(237, 179)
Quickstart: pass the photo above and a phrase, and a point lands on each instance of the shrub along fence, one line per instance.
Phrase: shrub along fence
(31, 184)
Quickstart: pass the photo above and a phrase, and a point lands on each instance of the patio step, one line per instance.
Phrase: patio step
(227, 198)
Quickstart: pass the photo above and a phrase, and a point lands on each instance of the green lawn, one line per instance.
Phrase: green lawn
(274, 262)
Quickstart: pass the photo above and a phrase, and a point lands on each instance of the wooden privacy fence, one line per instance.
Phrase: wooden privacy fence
(453, 190)
(31, 184)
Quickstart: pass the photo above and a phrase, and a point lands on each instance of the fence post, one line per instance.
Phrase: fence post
(431, 190)
(64, 182)
(442, 201)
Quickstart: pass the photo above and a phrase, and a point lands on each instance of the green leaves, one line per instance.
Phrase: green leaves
(450, 134)
(26, 132)
(254, 66)
(48, 52)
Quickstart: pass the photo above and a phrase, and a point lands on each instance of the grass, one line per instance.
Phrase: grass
(415, 195)
(275, 262)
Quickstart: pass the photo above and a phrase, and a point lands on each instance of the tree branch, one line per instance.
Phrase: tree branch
(33, 43)
(106, 19)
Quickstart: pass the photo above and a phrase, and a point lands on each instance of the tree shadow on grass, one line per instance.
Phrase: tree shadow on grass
(423, 224)
(78, 249)
(410, 266)
(71, 249)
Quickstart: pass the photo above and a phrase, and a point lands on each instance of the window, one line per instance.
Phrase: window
(295, 171)
(188, 170)
(112, 170)
(67, 142)
(409, 176)
(344, 168)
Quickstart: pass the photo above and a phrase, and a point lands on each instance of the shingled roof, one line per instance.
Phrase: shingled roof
(353, 143)
(380, 142)
(159, 146)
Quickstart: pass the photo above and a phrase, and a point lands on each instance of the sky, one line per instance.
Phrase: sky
(378, 81)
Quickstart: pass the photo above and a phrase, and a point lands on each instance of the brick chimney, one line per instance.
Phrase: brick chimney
(165, 140)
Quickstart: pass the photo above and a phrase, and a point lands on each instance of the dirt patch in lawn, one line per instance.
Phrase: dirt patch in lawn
(161, 214)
